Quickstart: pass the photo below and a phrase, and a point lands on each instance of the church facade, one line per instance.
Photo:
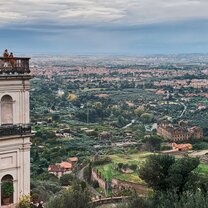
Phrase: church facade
(15, 131)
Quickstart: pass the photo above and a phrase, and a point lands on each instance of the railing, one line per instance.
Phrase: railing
(14, 65)
(11, 130)
(109, 200)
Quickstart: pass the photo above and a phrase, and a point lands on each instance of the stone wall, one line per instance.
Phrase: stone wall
(97, 176)
(119, 184)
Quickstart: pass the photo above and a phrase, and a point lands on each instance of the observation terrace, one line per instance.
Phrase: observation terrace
(16, 65)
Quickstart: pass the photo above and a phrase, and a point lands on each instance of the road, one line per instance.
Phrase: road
(199, 153)
(132, 122)
(109, 206)
(184, 110)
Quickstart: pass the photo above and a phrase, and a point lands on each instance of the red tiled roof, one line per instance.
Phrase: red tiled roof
(73, 159)
(55, 168)
(182, 146)
(66, 165)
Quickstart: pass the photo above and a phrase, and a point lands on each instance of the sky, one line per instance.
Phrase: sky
(104, 27)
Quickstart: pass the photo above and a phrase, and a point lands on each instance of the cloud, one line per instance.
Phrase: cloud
(116, 12)
(111, 26)
(184, 37)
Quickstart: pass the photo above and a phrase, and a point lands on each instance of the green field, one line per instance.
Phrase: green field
(203, 168)
(92, 89)
(130, 159)
(109, 171)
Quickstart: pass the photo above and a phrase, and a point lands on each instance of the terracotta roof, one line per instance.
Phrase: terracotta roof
(66, 165)
(182, 146)
(102, 95)
(55, 168)
(73, 159)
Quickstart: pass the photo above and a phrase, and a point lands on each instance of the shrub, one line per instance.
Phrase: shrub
(120, 165)
(87, 173)
(44, 189)
(24, 202)
(66, 179)
(133, 167)
(35, 197)
(102, 161)
(7, 189)
(76, 198)
(95, 184)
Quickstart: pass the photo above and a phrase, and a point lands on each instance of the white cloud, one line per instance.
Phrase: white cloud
(98, 11)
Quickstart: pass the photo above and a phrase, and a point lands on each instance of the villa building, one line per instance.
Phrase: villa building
(179, 133)
(64, 167)
(15, 130)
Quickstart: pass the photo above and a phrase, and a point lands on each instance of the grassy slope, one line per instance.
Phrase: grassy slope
(203, 168)
(109, 172)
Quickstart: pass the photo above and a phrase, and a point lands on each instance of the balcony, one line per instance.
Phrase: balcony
(13, 130)
(14, 65)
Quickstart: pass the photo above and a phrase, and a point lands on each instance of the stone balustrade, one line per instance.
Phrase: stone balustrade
(12, 130)
(14, 65)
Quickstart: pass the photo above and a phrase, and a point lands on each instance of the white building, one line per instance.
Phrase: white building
(15, 130)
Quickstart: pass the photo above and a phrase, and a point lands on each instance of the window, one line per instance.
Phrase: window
(7, 190)
(6, 110)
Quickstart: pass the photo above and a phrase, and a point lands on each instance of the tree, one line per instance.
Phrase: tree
(55, 117)
(120, 165)
(152, 143)
(87, 173)
(73, 198)
(44, 189)
(66, 179)
(155, 171)
(168, 199)
(121, 121)
(95, 184)
(163, 172)
(186, 200)
(72, 97)
(125, 166)
(180, 173)
(139, 111)
(136, 201)
(83, 185)
(133, 167)
(146, 117)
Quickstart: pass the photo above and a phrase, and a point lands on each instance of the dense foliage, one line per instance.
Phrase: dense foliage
(71, 198)
(44, 189)
(164, 172)
(168, 199)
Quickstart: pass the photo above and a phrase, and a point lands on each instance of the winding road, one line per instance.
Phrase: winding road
(184, 110)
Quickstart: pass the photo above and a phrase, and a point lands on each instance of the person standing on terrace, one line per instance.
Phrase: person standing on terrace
(11, 59)
(6, 56)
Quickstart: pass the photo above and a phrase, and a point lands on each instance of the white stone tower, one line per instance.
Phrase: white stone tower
(15, 130)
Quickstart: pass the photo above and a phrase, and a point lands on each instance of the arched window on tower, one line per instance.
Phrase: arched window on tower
(6, 110)
(7, 190)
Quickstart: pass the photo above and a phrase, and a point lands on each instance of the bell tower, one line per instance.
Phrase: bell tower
(15, 130)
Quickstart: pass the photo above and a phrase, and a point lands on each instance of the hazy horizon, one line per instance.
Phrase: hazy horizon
(90, 27)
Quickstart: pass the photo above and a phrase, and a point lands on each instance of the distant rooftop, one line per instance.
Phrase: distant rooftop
(16, 65)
